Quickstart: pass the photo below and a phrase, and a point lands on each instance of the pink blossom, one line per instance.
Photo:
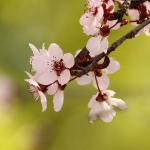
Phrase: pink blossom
(36, 90)
(53, 66)
(91, 19)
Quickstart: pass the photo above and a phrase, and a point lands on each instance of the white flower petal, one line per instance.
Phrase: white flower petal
(92, 101)
(43, 101)
(47, 78)
(134, 14)
(109, 93)
(87, 30)
(86, 19)
(117, 102)
(91, 30)
(113, 66)
(94, 112)
(104, 45)
(29, 75)
(77, 52)
(103, 82)
(113, 22)
(34, 50)
(52, 89)
(85, 79)
(93, 45)
(107, 112)
(64, 77)
(100, 13)
(58, 100)
(68, 60)
(55, 51)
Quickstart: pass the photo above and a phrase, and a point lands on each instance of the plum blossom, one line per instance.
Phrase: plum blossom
(53, 66)
(91, 19)
(37, 90)
(102, 104)
(96, 15)
(140, 14)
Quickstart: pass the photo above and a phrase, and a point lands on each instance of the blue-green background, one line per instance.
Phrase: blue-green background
(24, 127)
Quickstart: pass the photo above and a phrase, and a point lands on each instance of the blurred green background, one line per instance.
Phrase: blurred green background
(22, 124)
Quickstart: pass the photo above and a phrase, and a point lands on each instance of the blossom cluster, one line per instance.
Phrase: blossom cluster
(53, 70)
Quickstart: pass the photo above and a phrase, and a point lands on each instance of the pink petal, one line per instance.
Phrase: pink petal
(85, 79)
(93, 45)
(86, 19)
(113, 66)
(31, 81)
(134, 14)
(87, 30)
(58, 100)
(100, 14)
(112, 23)
(103, 82)
(43, 51)
(104, 45)
(47, 78)
(52, 89)
(39, 63)
(29, 75)
(91, 30)
(43, 101)
(77, 52)
(34, 50)
(64, 77)
(55, 51)
(68, 60)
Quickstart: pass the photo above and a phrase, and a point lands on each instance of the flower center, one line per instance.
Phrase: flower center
(94, 10)
(101, 97)
(58, 66)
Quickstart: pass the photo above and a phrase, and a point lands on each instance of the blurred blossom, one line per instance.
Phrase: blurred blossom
(7, 91)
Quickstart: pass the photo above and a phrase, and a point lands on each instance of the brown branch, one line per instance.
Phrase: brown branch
(135, 3)
(94, 60)
(118, 15)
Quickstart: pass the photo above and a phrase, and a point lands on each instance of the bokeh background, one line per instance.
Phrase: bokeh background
(22, 124)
